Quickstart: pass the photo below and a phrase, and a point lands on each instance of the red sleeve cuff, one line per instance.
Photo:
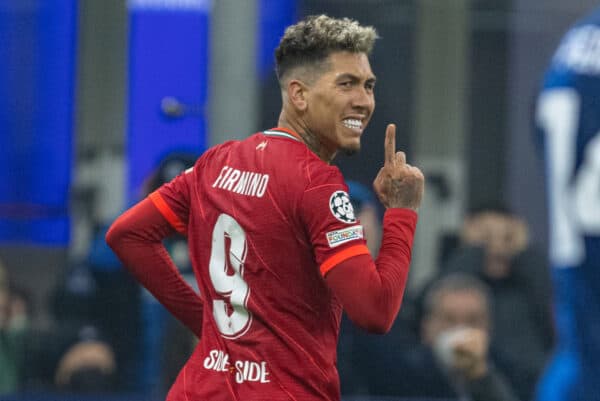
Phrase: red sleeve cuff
(168, 213)
(408, 215)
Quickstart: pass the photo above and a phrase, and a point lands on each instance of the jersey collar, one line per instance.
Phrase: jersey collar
(283, 132)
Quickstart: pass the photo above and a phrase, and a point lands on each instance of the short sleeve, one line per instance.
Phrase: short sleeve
(173, 200)
(335, 232)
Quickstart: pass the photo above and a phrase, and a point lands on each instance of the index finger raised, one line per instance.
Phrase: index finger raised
(390, 144)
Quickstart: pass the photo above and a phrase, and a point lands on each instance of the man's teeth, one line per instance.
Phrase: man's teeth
(352, 123)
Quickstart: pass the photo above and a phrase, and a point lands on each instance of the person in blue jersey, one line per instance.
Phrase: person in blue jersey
(568, 121)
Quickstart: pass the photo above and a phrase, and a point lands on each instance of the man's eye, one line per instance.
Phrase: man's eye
(346, 84)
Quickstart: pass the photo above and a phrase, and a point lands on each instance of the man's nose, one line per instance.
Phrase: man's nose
(364, 99)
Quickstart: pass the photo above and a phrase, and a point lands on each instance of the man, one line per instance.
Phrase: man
(452, 360)
(274, 242)
(568, 118)
(456, 325)
(494, 247)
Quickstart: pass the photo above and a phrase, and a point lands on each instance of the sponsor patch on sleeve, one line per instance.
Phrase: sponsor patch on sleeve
(339, 237)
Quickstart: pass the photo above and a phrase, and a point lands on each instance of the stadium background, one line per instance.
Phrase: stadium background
(93, 93)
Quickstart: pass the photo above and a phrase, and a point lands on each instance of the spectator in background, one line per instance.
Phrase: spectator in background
(495, 248)
(88, 365)
(568, 119)
(452, 359)
(20, 308)
(13, 330)
(98, 293)
(8, 365)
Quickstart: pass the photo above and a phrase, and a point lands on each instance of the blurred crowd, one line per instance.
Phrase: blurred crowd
(481, 329)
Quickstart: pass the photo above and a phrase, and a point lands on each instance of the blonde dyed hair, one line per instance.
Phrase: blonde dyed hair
(309, 42)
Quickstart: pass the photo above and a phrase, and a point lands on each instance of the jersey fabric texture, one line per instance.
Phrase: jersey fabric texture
(568, 120)
(266, 219)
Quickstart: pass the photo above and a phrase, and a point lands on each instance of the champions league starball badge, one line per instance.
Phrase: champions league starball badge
(340, 206)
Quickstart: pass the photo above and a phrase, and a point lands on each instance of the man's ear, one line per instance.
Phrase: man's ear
(297, 94)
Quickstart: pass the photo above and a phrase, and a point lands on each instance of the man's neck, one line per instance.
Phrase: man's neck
(311, 140)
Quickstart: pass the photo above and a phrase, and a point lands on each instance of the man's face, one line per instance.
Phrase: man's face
(341, 101)
(456, 309)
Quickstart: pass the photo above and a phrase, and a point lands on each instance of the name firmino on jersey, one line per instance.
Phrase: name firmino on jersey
(242, 182)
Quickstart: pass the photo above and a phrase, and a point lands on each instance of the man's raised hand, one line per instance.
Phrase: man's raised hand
(398, 184)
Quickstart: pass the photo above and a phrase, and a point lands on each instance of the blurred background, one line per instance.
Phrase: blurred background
(101, 101)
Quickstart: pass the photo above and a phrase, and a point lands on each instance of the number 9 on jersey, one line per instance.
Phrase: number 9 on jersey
(226, 270)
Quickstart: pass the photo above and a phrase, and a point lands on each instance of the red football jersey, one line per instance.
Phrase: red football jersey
(265, 220)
